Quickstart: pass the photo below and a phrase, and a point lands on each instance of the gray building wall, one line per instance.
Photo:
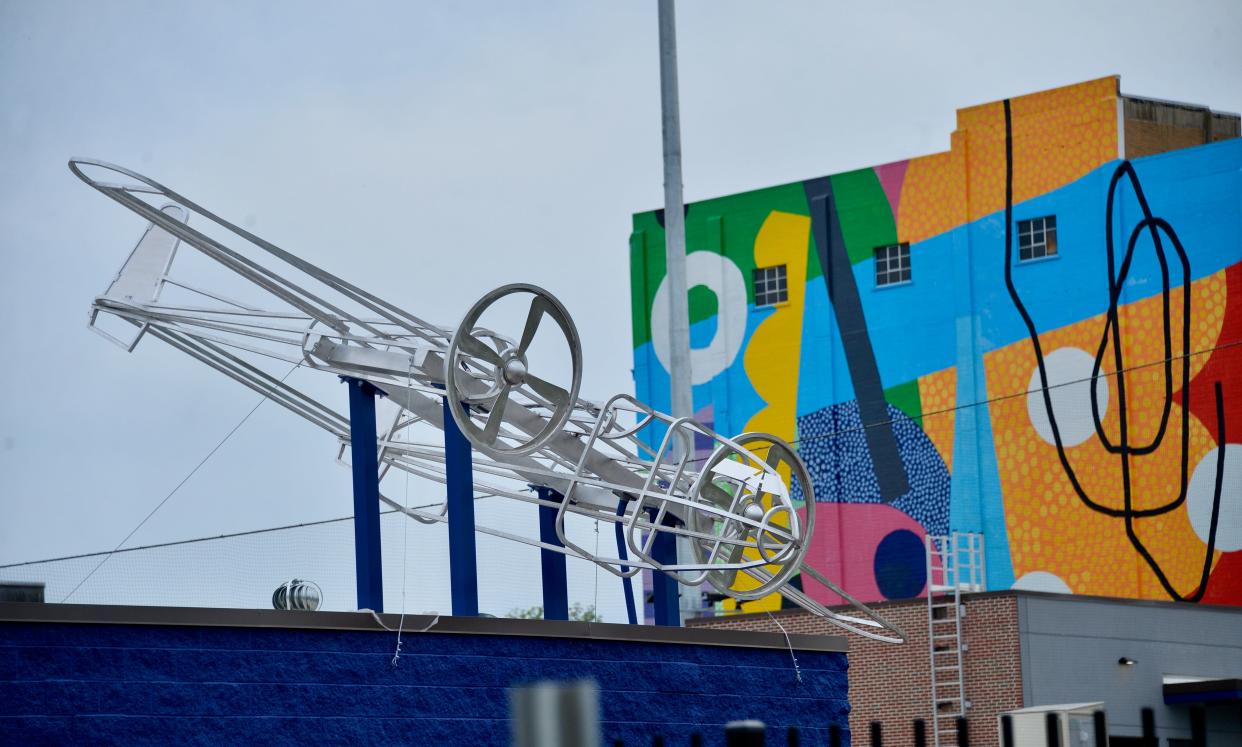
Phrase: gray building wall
(1071, 644)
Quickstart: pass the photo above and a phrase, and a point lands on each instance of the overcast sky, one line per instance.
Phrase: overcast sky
(430, 152)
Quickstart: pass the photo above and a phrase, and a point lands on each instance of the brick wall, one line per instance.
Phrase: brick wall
(1161, 126)
(891, 683)
(150, 684)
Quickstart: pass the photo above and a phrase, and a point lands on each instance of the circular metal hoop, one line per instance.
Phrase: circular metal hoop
(780, 547)
(471, 364)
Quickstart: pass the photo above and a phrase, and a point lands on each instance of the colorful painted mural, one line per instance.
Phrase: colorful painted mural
(981, 391)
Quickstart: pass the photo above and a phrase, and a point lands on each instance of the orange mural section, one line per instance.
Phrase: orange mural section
(938, 394)
(932, 198)
(1058, 136)
(1051, 530)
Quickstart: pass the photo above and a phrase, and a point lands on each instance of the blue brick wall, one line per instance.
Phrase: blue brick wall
(136, 684)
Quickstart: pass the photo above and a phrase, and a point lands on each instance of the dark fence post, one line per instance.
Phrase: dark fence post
(744, 734)
(1198, 727)
(1149, 728)
(1006, 730)
(877, 735)
(920, 733)
(793, 738)
(963, 732)
(657, 741)
(1052, 729)
(696, 740)
(1101, 729)
(834, 735)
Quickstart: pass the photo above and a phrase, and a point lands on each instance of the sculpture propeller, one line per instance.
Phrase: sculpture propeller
(735, 502)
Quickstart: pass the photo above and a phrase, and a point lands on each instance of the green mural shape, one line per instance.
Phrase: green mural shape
(725, 225)
(703, 303)
(864, 213)
(905, 397)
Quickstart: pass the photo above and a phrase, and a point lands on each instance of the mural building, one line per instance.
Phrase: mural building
(1035, 335)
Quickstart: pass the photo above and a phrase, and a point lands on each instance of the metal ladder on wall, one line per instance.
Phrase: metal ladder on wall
(954, 565)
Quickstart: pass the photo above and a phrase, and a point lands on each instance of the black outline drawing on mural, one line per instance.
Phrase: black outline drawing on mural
(1112, 327)
(890, 471)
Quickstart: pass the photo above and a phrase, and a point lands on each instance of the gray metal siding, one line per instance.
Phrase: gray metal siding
(1070, 648)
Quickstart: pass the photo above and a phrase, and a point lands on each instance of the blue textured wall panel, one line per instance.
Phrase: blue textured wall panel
(136, 684)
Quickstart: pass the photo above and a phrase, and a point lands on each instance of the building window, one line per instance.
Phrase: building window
(770, 286)
(1037, 238)
(892, 265)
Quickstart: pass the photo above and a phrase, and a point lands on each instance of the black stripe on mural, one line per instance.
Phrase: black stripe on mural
(846, 302)
(1156, 227)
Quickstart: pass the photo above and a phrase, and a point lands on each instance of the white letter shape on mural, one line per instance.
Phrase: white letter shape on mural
(719, 275)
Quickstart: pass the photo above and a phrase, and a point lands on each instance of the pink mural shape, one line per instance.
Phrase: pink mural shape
(844, 545)
(892, 176)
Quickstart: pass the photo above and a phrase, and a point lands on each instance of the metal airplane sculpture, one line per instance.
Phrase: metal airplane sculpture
(734, 502)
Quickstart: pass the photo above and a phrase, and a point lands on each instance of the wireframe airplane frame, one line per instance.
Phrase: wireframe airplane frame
(619, 461)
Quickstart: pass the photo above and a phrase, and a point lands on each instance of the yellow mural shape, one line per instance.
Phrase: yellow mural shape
(772, 358)
(1050, 528)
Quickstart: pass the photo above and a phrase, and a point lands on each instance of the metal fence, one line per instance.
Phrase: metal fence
(755, 734)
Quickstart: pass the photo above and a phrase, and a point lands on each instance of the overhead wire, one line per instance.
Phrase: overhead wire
(176, 488)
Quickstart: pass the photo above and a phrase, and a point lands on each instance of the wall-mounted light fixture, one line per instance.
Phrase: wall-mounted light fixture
(1126, 661)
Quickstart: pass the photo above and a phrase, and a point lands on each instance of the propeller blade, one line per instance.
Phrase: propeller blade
(537, 308)
(477, 348)
(496, 416)
(549, 391)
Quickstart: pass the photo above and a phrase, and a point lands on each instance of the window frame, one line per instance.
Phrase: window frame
(886, 274)
(771, 284)
(1035, 236)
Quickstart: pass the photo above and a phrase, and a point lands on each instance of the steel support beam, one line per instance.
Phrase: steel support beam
(364, 454)
(463, 562)
(555, 578)
(664, 587)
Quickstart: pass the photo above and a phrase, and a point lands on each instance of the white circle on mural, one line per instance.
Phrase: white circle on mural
(1042, 581)
(1071, 402)
(1202, 490)
(719, 275)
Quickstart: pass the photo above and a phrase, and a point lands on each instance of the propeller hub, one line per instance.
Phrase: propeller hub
(514, 371)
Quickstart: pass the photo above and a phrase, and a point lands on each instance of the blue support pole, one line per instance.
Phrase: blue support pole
(555, 579)
(364, 454)
(463, 563)
(627, 582)
(664, 587)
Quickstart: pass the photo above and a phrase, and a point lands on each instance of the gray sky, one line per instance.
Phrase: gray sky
(430, 152)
